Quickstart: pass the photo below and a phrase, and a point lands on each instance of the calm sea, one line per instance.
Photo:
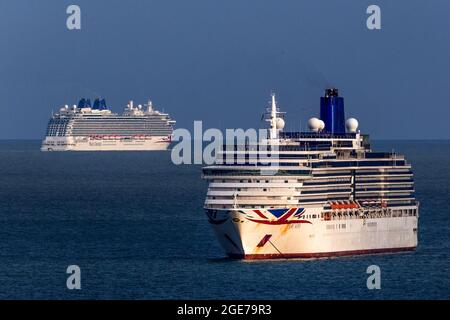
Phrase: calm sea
(133, 222)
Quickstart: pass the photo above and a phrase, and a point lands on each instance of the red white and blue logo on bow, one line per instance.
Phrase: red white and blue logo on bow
(277, 216)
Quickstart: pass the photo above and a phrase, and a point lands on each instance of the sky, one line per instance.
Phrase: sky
(219, 60)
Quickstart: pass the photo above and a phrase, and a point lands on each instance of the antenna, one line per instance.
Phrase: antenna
(149, 106)
(273, 117)
(276, 122)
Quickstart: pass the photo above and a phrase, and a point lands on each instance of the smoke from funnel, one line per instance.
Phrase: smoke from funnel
(316, 78)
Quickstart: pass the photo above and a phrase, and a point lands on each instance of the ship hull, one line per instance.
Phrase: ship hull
(154, 143)
(316, 255)
(243, 238)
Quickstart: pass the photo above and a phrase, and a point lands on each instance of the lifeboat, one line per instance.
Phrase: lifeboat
(344, 205)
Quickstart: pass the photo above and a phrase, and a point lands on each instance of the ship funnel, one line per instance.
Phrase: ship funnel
(332, 111)
(82, 103)
(103, 104)
(96, 104)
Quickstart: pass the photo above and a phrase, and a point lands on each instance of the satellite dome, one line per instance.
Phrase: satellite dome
(322, 125)
(280, 124)
(314, 124)
(351, 124)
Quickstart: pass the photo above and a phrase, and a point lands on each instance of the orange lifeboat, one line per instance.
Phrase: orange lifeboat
(344, 205)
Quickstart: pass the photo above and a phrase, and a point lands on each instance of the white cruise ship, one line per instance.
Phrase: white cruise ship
(95, 128)
(331, 195)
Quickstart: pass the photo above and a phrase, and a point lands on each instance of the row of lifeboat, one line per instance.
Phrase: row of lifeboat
(116, 137)
(347, 204)
(350, 204)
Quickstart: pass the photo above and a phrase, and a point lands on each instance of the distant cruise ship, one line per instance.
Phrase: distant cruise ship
(331, 195)
(96, 128)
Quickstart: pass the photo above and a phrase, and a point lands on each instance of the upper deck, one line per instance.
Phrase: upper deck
(84, 120)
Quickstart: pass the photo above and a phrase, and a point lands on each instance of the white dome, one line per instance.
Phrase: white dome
(322, 125)
(280, 124)
(314, 124)
(351, 124)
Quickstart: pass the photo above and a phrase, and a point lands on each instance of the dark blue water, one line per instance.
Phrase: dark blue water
(134, 224)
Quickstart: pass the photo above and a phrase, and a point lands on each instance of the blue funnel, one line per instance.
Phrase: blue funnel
(82, 103)
(96, 104)
(103, 104)
(332, 111)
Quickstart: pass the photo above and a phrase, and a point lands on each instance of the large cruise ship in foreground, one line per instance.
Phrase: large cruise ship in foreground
(331, 195)
(96, 128)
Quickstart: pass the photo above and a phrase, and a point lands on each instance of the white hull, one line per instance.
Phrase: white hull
(89, 144)
(313, 237)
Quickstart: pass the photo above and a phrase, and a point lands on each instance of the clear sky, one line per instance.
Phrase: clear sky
(218, 61)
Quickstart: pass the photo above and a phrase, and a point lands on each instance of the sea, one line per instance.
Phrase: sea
(133, 223)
